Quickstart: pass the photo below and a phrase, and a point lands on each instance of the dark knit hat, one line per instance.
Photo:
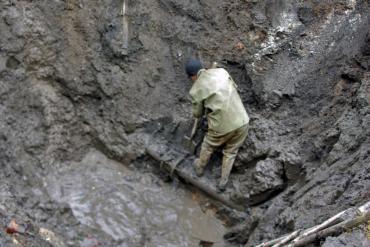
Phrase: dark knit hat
(192, 66)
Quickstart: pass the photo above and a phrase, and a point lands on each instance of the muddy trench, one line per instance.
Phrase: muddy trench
(94, 110)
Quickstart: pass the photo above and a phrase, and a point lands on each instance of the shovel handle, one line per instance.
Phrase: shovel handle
(194, 130)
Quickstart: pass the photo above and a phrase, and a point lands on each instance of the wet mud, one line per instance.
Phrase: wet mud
(87, 86)
(132, 207)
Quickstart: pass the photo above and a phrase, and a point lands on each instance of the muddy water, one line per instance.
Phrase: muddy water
(137, 208)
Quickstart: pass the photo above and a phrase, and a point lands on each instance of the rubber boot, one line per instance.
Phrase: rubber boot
(227, 165)
(201, 163)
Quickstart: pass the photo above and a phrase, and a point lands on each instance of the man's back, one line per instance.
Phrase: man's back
(217, 91)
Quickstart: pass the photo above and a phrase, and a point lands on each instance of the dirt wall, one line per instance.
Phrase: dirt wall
(72, 77)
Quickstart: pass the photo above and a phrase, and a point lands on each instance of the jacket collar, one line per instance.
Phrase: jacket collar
(200, 72)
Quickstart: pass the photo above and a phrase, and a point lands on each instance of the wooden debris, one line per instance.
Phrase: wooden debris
(333, 230)
(333, 226)
(332, 221)
(125, 28)
(286, 239)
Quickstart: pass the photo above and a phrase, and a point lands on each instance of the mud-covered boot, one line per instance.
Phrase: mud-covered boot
(199, 171)
(201, 163)
(222, 185)
(227, 165)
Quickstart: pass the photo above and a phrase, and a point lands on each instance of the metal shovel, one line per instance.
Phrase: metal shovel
(188, 141)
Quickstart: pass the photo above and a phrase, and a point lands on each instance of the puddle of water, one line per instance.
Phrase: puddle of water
(131, 206)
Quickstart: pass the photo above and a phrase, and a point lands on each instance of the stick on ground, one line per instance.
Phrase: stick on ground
(332, 226)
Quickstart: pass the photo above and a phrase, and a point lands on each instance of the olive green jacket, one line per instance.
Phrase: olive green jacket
(216, 91)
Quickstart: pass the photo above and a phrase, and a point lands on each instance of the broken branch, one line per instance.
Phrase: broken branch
(333, 230)
(287, 239)
(329, 227)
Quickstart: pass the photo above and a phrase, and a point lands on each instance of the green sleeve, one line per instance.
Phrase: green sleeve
(197, 107)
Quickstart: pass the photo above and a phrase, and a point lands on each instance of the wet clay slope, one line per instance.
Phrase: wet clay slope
(314, 98)
(73, 77)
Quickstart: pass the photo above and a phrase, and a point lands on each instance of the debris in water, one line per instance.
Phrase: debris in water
(13, 227)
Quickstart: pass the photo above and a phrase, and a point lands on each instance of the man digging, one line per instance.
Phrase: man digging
(214, 93)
